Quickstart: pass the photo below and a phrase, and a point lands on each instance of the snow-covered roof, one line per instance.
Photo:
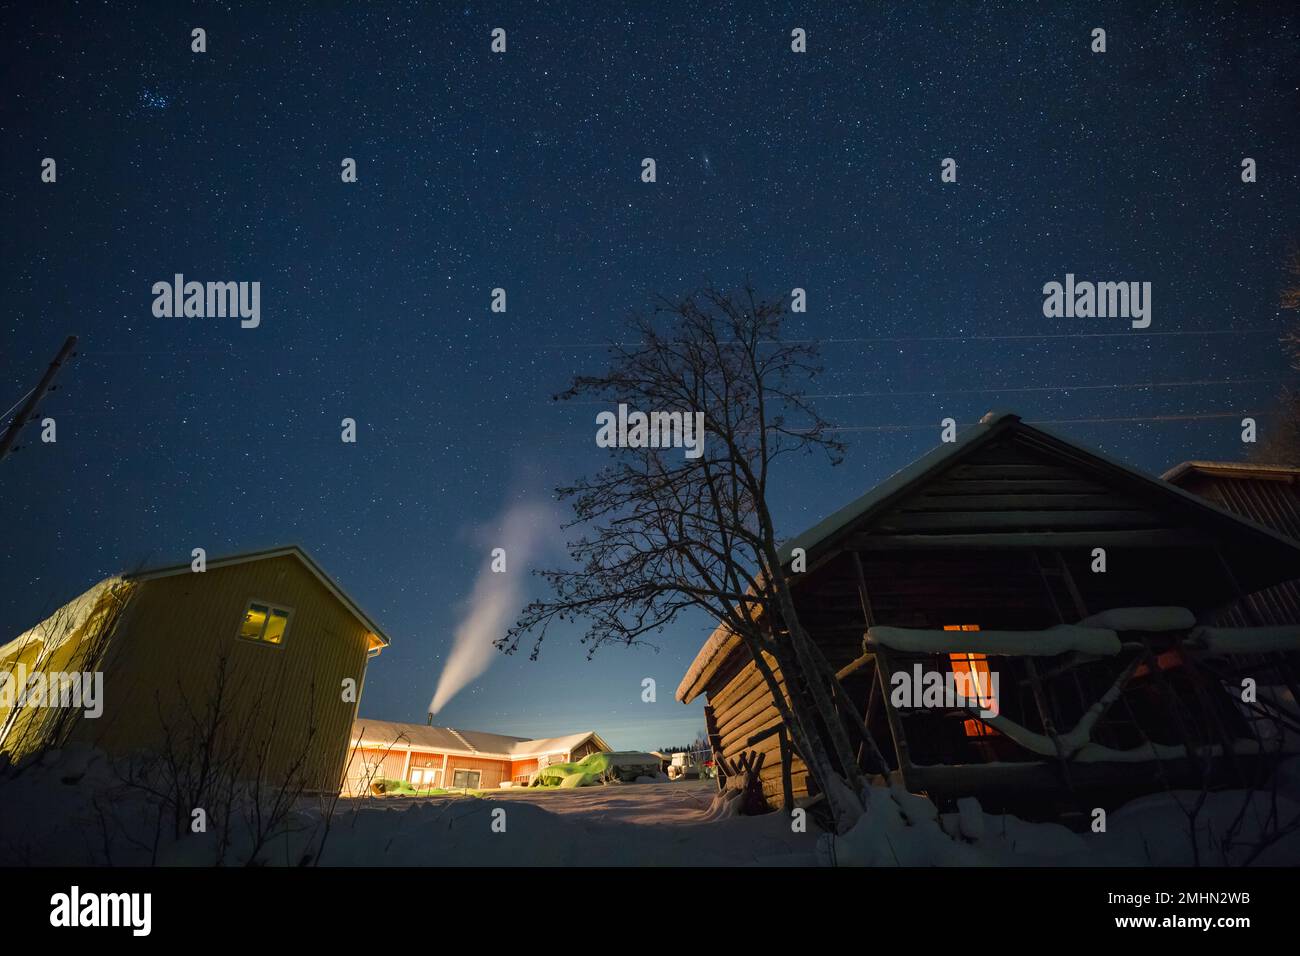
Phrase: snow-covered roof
(825, 536)
(396, 735)
(67, 622)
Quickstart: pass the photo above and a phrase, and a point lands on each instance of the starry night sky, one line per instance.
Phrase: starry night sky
(522, 171)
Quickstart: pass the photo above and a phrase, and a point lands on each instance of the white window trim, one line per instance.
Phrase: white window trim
(270, 606)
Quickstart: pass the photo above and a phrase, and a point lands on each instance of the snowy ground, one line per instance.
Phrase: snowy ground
(646, 803)
(47, 817)
(643, 824)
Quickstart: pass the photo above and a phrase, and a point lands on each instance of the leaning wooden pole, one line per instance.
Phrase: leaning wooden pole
(33, 400)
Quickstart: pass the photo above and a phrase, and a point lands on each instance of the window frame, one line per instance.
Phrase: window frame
(270, 606)
(478, 784)
(973, 661)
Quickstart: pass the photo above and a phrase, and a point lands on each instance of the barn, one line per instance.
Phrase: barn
(443, 758)
(1095, 620)
(262, 648)
(1266, 494)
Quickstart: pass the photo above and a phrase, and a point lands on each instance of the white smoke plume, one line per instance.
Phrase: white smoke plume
(497, 597)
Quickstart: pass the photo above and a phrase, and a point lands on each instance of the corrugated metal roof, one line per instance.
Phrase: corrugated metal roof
(1231, 469)
(1267, 494)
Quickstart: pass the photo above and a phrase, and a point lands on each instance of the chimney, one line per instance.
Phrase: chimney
(430, 720)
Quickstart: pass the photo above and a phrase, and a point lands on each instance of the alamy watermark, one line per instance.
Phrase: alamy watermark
(634, 429)
(1102, 300)
(79, 690)
(133, 911)
(921, 689)
(208, 300)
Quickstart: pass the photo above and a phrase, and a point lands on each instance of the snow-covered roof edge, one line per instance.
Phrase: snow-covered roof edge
(65, 621)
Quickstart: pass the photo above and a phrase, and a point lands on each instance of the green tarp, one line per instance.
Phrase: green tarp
(596, 768)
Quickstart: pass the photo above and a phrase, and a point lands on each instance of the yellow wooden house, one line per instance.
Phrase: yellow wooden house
(262, 651)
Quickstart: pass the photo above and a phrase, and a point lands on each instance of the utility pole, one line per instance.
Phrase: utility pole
(29, 407)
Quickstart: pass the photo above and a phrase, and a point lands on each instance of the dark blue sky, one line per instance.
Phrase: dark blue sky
(522, 171)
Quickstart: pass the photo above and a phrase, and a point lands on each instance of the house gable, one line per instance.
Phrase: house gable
(1008, 484)
(378, 639)
(1007, 489)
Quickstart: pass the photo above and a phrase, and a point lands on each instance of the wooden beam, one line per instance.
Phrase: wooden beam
(787, 784)
(1013, 502)
(1080, 606)
(895, 728)
(1020, 520)
(872, 697)
(854, 666)
(1045, 715)
(1011, 469)
(715, 744)
(1011, 486)
(1154, 538)
(901, 750)
(758, 738)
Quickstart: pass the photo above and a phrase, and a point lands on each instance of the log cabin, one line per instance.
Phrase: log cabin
(443, 758)
(263, 649)
(1096, 611)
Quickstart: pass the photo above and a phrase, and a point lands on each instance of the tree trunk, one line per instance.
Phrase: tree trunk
(819, 690)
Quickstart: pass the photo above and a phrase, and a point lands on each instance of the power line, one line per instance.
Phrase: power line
(1031, 335)
(1052, 388)
(1028, 388)
(5, 417)
(1009, 337)
(1155, 419)
(1135, 335)
(388, 440)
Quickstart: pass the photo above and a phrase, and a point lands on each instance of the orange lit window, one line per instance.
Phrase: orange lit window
(975, 668)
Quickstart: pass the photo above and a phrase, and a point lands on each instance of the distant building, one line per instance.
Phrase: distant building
(263, 647)
(441, 758)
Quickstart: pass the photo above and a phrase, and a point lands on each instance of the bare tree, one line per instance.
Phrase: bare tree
(663, 532)
(218, 757)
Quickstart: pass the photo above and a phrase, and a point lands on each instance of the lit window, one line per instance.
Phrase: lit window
(264, 623)
(975, 676)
